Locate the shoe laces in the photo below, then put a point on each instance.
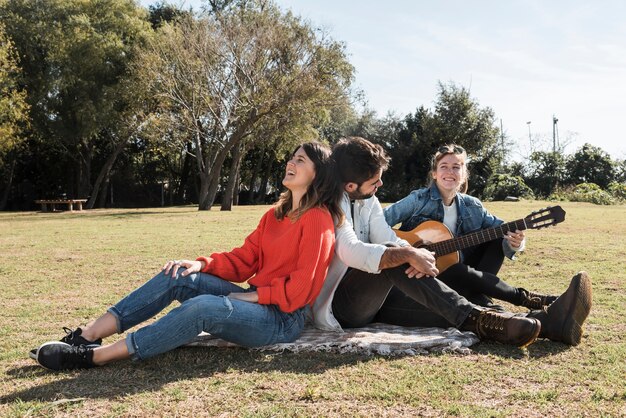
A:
(69, 335)
(491, 320)
(537, 298)
(537, 301)
(79, 358)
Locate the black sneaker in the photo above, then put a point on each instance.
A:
(71, 338)
(55, 355)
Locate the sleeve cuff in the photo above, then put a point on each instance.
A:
(264, 294)
(509, 251)
(373, 260)
(207, 261)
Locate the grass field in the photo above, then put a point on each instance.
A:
(63, 269)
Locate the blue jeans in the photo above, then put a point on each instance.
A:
(204, 307)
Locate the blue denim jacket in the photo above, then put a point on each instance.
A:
(426, 204)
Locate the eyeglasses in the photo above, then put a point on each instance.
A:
(449, 149)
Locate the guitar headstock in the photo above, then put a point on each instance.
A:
(543, 218)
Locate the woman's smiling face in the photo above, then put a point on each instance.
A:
(450, 172)
(300, 171)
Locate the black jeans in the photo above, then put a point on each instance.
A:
(360, 296)
(391, 297)
(476, 278)
(476, 281)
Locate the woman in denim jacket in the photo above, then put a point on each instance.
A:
(474, 277)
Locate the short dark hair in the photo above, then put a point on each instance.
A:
(358, 159)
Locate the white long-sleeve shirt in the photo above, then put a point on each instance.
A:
(360, 244)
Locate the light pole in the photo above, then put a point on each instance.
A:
(554, 122)
(530, 139)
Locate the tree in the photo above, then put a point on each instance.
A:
(456, 118)
(590, 165)
(460, 119)
(545, 171)
(164, 12)
(74, 57)
(226, 73)
(620, 171)
(500, 186)
(13, 113)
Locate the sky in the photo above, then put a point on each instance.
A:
(530, 61)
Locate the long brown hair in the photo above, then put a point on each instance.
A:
(451, 149)
(324, 190)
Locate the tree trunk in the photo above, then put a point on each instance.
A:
(255, 175)
(214, 175)
(84, 172)
(203, 193)
(237, 187)
(105, 173)
(102, 195)
(214, 171)
(7, 190)
(231, 190)
(264, 180)
(184, 175)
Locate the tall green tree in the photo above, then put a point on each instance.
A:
(590, 165)
(620, 171)
(460, 119)
(13, 114)
(226, 73)
(544, 172)
(455, 118)
(75, 54)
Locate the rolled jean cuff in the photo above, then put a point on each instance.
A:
(132, 348)
(116, 314)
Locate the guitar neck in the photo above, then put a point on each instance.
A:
(475, 238)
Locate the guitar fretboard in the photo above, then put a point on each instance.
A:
(475, 238)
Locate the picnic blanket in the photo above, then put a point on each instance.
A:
(380, 339)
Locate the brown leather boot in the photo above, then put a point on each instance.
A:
(503, 327)
(532, 300)
(563, 320)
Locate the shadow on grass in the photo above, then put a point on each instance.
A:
(127, 377)
(539, 349)
(189, 363)
(99, 213)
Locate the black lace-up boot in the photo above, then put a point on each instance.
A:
(532, 300)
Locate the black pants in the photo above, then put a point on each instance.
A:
(391, 297)
(476, 278)
(360, 296)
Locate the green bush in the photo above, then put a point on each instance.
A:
(590, 192)
(618, 191)
(500, 186)
(560, 195)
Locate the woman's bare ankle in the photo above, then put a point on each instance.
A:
(87, 333)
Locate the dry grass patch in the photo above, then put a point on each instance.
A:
(63, 269)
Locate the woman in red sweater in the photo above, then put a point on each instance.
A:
(284, 260)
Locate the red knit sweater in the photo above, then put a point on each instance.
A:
(288, 260)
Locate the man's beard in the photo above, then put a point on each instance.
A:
(358, 195)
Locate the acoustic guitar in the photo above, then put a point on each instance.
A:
(436, 237)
